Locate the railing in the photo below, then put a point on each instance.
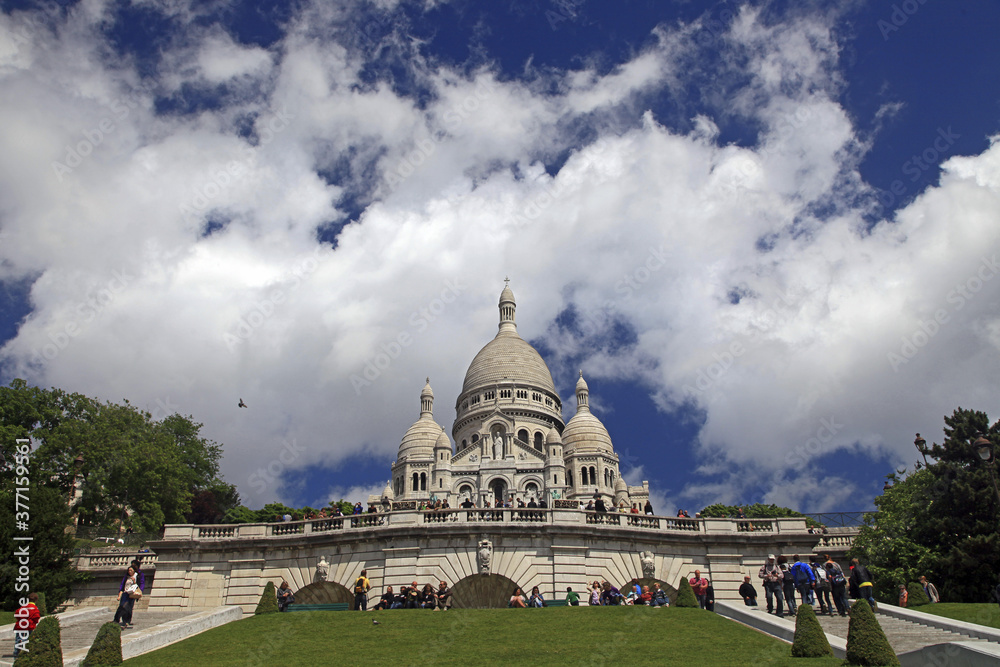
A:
(836, 541)
(754, 525)
(641, 523)
(118, 561)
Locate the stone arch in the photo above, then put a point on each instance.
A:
(324, 592)
(482, 591)
(539, 483)
(649, 581)
(523, 436)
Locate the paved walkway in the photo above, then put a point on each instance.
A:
(81, 635)
(903, 635)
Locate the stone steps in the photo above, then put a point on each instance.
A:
(903, 635)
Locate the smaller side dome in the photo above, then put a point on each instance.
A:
(443, 442)
(387, 491)
(420, 439)
(620, 485)
(553, 437)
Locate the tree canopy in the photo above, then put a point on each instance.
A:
(941, 521)
(137, 470)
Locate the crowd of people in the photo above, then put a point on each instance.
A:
(408, 597)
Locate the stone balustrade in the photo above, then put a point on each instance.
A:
(115, 561)
(640, 523)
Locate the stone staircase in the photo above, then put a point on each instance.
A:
(903, 635)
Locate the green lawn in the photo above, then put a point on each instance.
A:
(557, 636)
(6, 617)
(981, 613)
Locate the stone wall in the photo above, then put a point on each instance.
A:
(205, 566)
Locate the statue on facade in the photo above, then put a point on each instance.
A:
(484, 556)
(555, 494)
(497, 448)
(322, 569)
(647, 558)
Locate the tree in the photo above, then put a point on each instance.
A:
(916, 595)
(866, 642)
(941, 521)
(44, 646)
(685, 595)
(107, 647)
(755, 511)
(810, 640)
(134, 467)
(268, 600)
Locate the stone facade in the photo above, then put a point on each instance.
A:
(510, 441)
(203, 566)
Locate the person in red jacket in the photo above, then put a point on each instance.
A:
(25, 620)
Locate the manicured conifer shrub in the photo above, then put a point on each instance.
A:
(268, 601)
(866, 642)
(810, 640)
(685, 595)
(43, 607)
(916, 595)
(44, 648)
(107, 647)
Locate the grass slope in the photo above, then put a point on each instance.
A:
(981, 613)
(557, 636)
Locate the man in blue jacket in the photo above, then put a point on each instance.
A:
(805, 580)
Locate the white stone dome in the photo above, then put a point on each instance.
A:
(419, 440)
(387, 492)
(553, 437)
(508, 356)
(620, 485)
(585, 432)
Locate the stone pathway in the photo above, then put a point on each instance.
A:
(82, 634)
(902, 635)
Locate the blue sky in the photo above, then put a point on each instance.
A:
(764, 230)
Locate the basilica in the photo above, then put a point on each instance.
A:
(510, 441)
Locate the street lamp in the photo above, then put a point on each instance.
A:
(921, 446)
(985, 450)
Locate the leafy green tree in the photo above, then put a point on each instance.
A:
(133, 466)
(240, 514)
(942, 521)
(755, 511)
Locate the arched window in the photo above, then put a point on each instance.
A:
(440, 483)
(475, 437)
(531, 490)
(522, 435)
(423, 481)
(538, 440)
(464, 444)
(606, 478)
(583, 476)
(416, 482)
(593, 475)
(465, 491)
(569, 477)
(555, 479)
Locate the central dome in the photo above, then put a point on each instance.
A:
(508, 356)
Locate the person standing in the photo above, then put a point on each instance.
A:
(805, 580)
(709, 596)
(823, 586)
(648, 509)
(361, 588)
(572, 599)
(862, 580)
(930, 589)
(838, 584)
(903, 595)
(123, 615)
(700, 588)
(25, 620)
(787, 585)
(773, 577)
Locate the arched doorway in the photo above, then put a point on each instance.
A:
(670, 590)
(498, 489)
(482, 591)
(324, 592)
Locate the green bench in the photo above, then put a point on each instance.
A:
(332, 606)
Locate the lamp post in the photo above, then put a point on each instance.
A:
(985, 450)
(921, 446)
